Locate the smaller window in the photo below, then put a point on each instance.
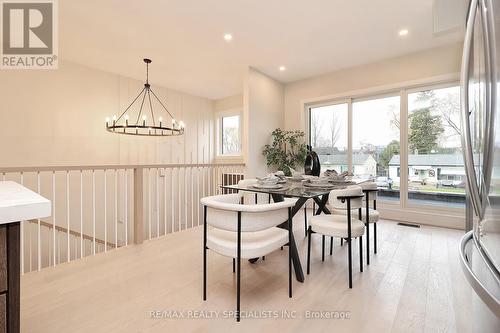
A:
(230, 135)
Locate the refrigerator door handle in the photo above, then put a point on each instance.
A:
(489, 299)
(491, 95)
(464, 99)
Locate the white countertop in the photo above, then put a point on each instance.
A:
(17, 203)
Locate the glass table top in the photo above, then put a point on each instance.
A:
(294, 189)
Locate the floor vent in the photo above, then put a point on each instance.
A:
(409, 225)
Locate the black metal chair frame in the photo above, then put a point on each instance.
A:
(348, 239)
(238, 259)
(367, 224)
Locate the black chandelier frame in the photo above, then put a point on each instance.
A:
(140, 127)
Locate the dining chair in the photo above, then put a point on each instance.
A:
(244, 231)
(369, 204)
(248, 198)
(370, 215)
(344, 227)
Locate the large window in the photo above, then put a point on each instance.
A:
(230, 135)
(436, 172)
(375, 143)
(328, 136)
(364, 134)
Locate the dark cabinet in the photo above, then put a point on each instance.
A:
(9, 277)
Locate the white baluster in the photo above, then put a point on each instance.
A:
(93, 213)
(172, 206)
(165, 199)
(67, 217)
(126, 207)
(53, 218)
(116, 208)
(203, 181)
(179, 198)
(105, 213)
(214, 182)
(192, 195)
(39, 236)
(157, 203)
(198, 195)
(58, 248)
(81, 214)
(149, 203)
(185, 200)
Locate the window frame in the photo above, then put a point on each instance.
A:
(403, 206)
(415, 205)
(349, 121)
(219, 116)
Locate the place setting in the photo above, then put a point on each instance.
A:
(329, 180)
(272, 181)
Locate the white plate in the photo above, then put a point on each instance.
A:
(268, 186)
(318, 185)
(340, 181)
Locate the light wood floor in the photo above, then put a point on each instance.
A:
(414, 284)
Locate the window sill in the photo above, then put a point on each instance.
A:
(229, 158)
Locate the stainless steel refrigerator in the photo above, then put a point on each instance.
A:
(480, 247)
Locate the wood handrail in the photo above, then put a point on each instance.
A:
(72, 232)
(114, 167)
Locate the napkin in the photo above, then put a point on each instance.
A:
(268, 179)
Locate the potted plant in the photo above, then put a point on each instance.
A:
(287, 150)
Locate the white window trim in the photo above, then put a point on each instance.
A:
(218, 135)
(403, 209)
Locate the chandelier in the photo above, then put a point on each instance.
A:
(144, 123)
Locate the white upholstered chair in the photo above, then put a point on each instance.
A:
(369, 204)
(244, 231)
(341, 226)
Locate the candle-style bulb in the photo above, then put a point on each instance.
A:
(114, 118)
(181, 124)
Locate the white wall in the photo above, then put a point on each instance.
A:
(416, 66)
(229, 103)
(56, 117)
(262, 113)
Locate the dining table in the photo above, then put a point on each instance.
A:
(295, 189)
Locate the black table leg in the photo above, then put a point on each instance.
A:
(322, 204)
(299, 273)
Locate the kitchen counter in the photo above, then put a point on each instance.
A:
(17, 203)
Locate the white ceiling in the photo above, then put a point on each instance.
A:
(185, 37)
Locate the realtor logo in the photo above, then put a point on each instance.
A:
(29, 34)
